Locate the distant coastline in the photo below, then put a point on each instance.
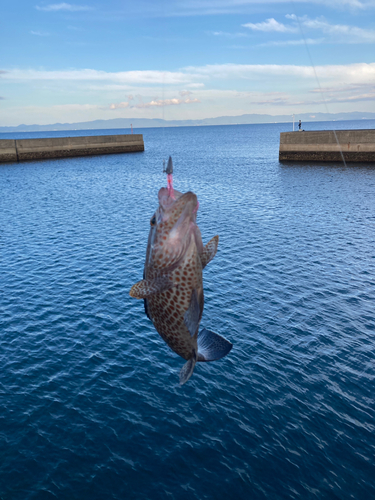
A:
(247, 119)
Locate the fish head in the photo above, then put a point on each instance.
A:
(173, 226)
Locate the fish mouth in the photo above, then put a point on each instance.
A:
(182, 202)
(166, 200)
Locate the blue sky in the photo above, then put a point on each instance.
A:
(191, 59)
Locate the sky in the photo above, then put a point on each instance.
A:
(63, 61)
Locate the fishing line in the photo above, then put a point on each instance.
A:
(162, 114)
(317, 79)
(163, 95)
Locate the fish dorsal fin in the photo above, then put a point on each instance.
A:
(209, 251)
(192, 315)
(146, 288)
(212, 346)
(187, 370)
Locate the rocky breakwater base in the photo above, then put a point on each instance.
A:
(13, 150)
(322, 145)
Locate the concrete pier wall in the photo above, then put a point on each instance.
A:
(8, 150)
(356, 146)
(62, 147)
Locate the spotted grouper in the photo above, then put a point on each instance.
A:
(172, 287)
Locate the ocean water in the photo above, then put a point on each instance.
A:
(90, 406)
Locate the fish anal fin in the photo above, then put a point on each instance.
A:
(209, 251)
(212, 346)
(187, 370)
(193, 314)
(146, 288)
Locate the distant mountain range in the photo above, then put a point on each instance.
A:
(124, 123)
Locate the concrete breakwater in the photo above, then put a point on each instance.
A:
(355, 145)
(12, 150)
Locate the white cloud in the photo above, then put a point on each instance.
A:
(359, 72)
(285, 43)
(119, 105)
(189, 8)
(39, 33)
(157, 102)
(195, 85)
(284, 99)
(165, 102)
(335, 33)
(223, 7)
(63, 6)
(338, 32)
(230, 35)
(271, 25)
(356, 4)
(228, 89)
(346, 93)
(214, 102)
(128, 77)
(192, 76)
(370, 96)
(344, 88)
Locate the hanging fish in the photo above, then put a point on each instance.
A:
(172, 287)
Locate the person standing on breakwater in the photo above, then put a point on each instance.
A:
(299, 126)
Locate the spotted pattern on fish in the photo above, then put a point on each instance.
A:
(167, 309)
(172, 285)
(173, 270)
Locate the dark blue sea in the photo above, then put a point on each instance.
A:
(90, 406)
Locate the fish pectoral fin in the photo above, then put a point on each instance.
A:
(146, 288)
(192, 315)
(209, 251)
(187, 370)
(212, 346)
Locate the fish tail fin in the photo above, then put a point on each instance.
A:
(212, 346)
(187, 370)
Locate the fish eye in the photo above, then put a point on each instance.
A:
(153, 221)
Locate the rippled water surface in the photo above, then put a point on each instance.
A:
(90, 406)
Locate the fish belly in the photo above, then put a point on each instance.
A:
(167, 309)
